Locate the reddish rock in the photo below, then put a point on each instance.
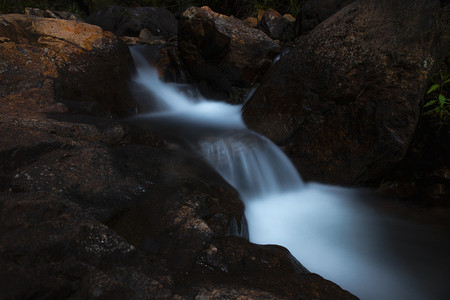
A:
(223, 50)
(345, 101)
(251, 21)
(49, 61)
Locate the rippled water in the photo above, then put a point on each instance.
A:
(336, 232)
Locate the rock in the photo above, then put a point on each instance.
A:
(49, 61)
(273, 24)
(251, 21)
(222, 50)
(146, 36)
(130, 21)
(345, 101)
(314, 12)
(260, 14)
(236, 261)
(68, 16)
(166, 59)
(52, 248)
(30, 11)
(289, 18)
(50, 14)
(130, 39)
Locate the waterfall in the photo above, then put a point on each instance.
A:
(252, 164)
(336, 232)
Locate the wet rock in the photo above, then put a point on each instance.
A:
(130, 21)
(314, 12)
(239, 263)
(345, 101)
(222, 50)
(165, 57)
(53, 60)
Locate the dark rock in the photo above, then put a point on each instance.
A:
(52, 60)
(243, 268)
(51, 248)
(146, 36)
(423, 176)
(130, 21)
(345, 101)
(223, 50)
(273, 24)
(314, 12)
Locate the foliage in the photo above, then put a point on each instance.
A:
(439, 105)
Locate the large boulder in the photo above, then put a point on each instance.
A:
(223, 50)
(424, 174)
(314, 12)
(131, 20)
(60, 61)
(345, 101)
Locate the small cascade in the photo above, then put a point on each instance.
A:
(336, 232)
(251, 163)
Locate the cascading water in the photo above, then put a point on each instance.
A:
(336, 232)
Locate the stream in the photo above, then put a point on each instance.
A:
(339, 233)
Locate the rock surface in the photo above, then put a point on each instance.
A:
(29, 11)
(423, 176)
(130, 21)
(60, 63)
(92, 207)
(273, 24)
(314, 12)
(345, 101)
(223, 50)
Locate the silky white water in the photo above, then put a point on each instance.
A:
(336, 232)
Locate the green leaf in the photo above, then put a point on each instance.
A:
(441, 73)
(428, 112)
(433, 88)
(429, 103)
(441, 99)
(447, 81)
